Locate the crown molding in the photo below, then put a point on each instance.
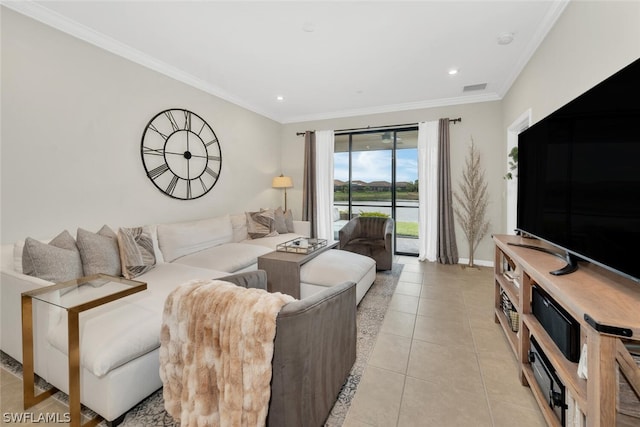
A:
(382, 109)
(548, 22)
(48, 17)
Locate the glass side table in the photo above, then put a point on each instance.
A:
(84, 294)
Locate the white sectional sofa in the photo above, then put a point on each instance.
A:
(119, 342)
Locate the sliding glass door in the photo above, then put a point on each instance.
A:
(376, 174)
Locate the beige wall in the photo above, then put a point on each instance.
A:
(72, 119)
(590, 41)
(482, 121)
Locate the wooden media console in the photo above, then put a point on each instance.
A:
(607, 308)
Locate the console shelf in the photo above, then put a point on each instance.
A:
(512, 337)
(541, 398)
(567, 370)
(592, 292)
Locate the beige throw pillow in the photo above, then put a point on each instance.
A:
(288, 219)
(136, 251)
(260, 224)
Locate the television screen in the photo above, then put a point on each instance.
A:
(579, 175)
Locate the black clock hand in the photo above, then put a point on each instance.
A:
(176, 154)
(188, 157)
(210, 157)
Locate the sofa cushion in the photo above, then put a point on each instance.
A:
(99, 252)
(116, 333)
(57, 261)
(239, 226)
(110, 335)
(18, 251)
(335, 266)
(184, 238)
(229, 257)
(166, 276)
(136, 251)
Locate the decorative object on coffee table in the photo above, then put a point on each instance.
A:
(302, 245)
(181, 154)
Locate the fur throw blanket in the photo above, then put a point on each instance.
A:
(216, 348)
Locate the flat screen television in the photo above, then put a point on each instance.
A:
(579, 176)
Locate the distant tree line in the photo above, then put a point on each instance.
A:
(376, 186)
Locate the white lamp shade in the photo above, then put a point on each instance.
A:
(282, 182)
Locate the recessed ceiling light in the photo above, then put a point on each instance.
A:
(505, 38)
(280, 98)
(453, 71)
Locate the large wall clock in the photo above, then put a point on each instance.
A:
(181, 154)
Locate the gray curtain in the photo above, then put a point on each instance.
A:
(309, 183)
(447, 248)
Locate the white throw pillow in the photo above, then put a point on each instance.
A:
(18, 247)
(184, 238)
(239, 224)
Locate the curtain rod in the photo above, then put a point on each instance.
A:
(454, 121)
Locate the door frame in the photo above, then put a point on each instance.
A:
(522, 123)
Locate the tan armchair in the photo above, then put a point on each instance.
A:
(369, 236)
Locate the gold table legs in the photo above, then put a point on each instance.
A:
(28, 377)
(30, 397)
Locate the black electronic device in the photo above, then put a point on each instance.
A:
(548, 381)
(563, 329)
(578, 176)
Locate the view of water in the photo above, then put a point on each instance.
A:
(408, 214)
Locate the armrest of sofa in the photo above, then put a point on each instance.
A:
(249, 279)
(348, 232)
(314, 350)
(13, 284)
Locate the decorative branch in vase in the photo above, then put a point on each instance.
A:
(473, 199)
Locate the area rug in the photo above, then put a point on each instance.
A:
(369, 318)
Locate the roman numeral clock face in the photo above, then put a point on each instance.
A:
(181, 154)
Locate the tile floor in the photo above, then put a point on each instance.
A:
(440, 360)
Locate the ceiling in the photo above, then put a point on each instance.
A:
(327, 59)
